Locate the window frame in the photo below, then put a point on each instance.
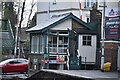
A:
(86, 41)
(34, 44)
(89, 3)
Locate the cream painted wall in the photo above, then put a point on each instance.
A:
(64, 26)
(88, 51)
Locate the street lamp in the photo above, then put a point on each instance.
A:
(103, 36)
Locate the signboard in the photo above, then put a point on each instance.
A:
(112, 27)
(59, 59)
(35, 60)
(52, 61)
(45, 60)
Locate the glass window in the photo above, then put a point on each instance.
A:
(58, 44)
(41, 43)
(87, 40)
(34, 43)
(14, 62)
(89, 3)
(22, 61)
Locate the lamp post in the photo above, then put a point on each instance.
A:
(103, 36)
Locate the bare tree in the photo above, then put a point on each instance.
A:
(31, 10)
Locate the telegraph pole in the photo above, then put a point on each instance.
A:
(16, 35)
(103, 36)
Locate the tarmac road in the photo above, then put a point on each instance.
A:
(13, 76)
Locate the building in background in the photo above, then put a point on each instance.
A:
(48, 9)
(112, 34)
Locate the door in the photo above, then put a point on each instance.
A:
(11, 66)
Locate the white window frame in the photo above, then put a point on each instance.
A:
(57, 48)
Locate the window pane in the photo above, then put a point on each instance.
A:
(89, 43)
(65, 40)
(32, 44)
(89, 38)
(84, 42)
(84, 37)
(54, 40)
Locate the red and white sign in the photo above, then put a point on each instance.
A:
(112, 12)
(45, 60)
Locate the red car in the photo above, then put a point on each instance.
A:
(14, 65)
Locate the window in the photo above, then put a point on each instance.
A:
(34, 43)
(41, 43)
(14, 62)
(88, 20)
(58, 44)
(22, 61)
(89, 3)
(87, 40)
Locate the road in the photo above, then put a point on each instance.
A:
(13, 76)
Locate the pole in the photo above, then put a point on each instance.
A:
(16, 36)
(19, 32)
(102, 37)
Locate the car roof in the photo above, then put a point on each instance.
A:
(8, 60)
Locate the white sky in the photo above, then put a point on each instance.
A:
(27, 11)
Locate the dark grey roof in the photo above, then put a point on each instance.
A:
(6, 41)
(42, 27)
(85, 31)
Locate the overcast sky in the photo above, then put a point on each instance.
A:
(27, 11)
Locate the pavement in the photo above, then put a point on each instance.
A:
(89, 74)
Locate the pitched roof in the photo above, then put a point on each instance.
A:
(42, 27)
(6, 36)
(6, 41)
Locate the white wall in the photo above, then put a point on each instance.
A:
(44, 6)
(88, 51)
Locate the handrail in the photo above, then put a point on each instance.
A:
(68, 59)
(78, 53)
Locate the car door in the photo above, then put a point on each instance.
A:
(11, 66)
(20, 66)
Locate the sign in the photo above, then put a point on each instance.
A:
(45, 60)
(35, 60)
(52, 61)
(46, 55)
(112, 26)
(60, 58)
